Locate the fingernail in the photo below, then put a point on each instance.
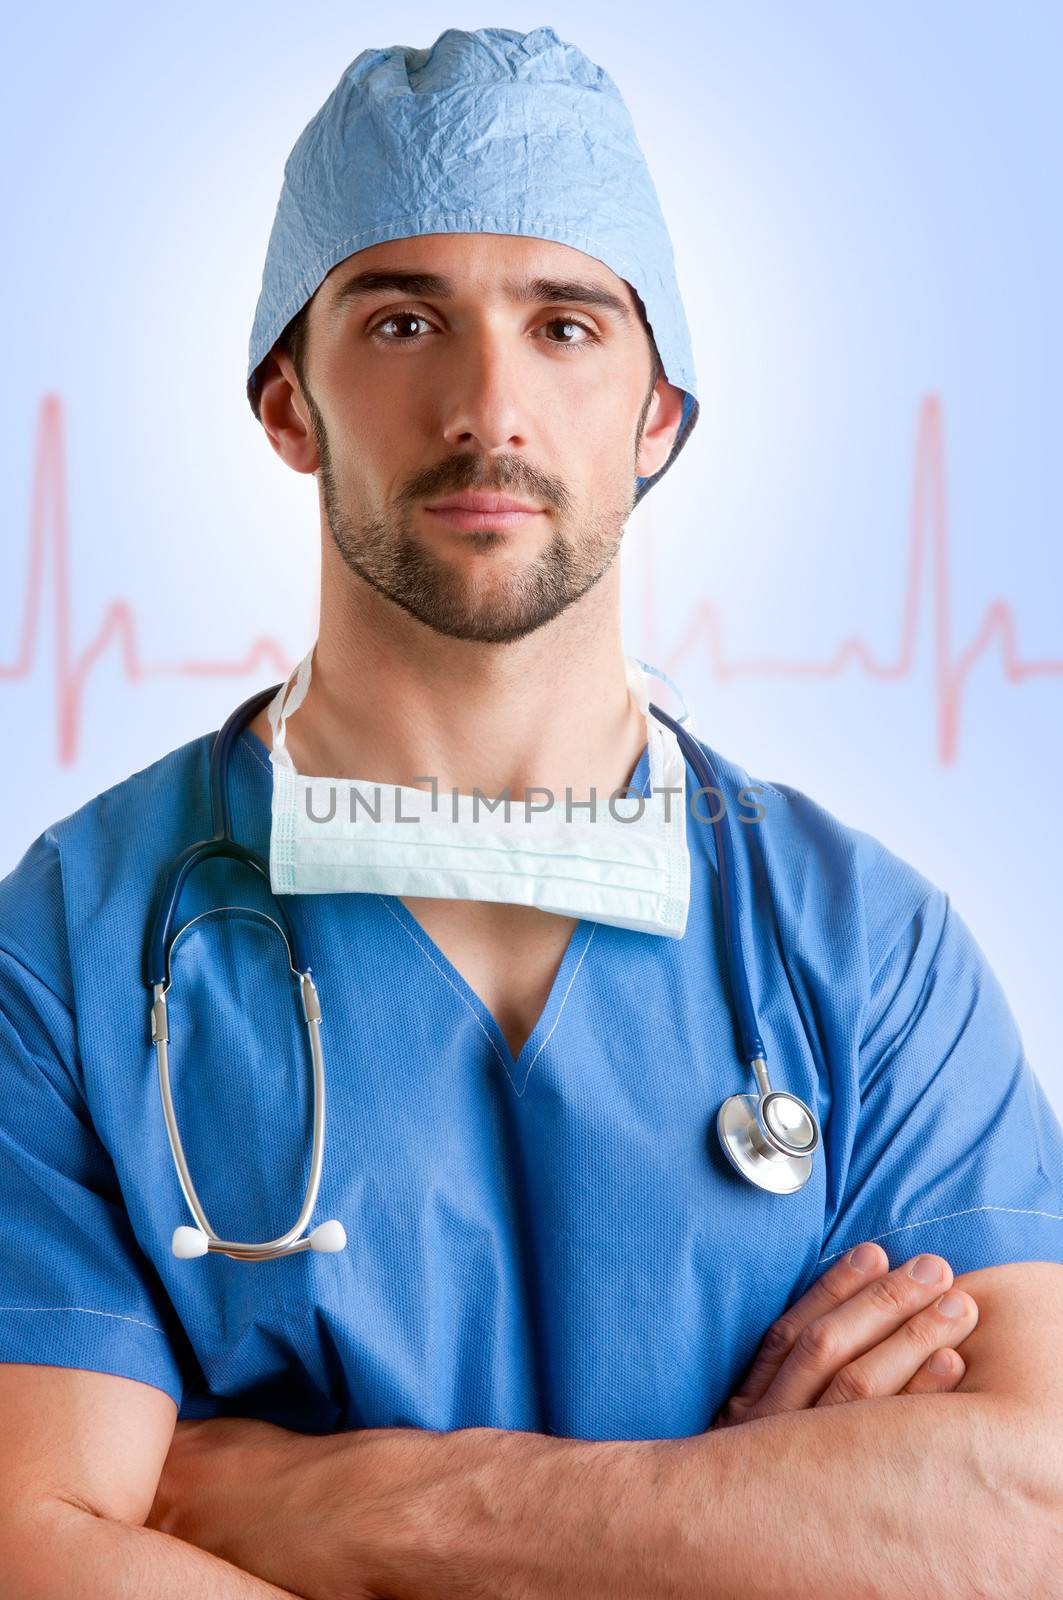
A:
(951, 1305)
(926, 1270)
(941, 1363)
(863, 1258)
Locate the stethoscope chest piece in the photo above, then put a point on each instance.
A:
(770, 1139)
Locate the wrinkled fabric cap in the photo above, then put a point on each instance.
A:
(490, 131)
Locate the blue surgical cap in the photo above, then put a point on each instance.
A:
(490, 131)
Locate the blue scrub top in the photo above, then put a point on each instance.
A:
(556, 1243)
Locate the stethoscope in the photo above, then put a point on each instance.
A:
(769, 1137)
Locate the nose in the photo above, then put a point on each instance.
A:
(486, 403)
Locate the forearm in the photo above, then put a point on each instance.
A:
(893, 1499)
(58, 1549)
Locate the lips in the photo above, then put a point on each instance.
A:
(482, 502)
(482, 512)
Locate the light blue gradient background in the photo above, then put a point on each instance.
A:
(864, 203)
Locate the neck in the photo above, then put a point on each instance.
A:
(392, 701)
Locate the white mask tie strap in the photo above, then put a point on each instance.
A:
(283, 704)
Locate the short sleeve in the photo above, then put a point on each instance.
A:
(76, 1290)
(947, 1143)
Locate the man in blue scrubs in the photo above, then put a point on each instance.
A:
(543, 1232)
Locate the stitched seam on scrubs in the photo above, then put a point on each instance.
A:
(463, 998)
(443, 973)
(560, 1008)
(1015, 1211)
(88, 1311)
(245, 739)
(472, 1010)
(571, 981)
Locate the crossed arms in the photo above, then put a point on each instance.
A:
(959, 1495)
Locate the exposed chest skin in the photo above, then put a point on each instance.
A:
(509, 954)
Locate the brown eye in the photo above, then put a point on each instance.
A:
(399, 317)
(572, 322)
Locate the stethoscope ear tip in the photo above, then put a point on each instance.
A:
(188, 1243)
(328, 1237)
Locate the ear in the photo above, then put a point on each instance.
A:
(284, 414)
(662, 424)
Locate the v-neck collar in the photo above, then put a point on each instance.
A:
(518, 1069)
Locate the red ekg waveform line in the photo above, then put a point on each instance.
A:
(48, 513)
(928, 567)
(928, 550)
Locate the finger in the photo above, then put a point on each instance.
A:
(927, 1381)
(863, 1321)
(835, 1286)
(895, 1361)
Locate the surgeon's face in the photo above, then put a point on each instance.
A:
(463, 364)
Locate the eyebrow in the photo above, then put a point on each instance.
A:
(432, 286)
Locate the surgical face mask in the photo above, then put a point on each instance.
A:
(627, 864)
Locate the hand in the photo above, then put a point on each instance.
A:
(856, 1336)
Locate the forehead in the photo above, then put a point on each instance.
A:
(480, 264)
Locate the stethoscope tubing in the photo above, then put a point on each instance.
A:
(160, 943)
(751, 1144)
(751, 1046)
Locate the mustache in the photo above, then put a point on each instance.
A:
(462, 473)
